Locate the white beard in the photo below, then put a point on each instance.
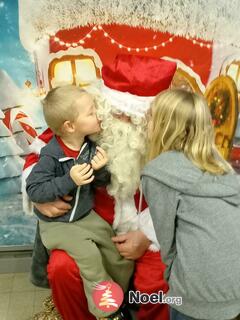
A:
(125, 144)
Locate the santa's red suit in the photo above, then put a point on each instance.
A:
(140, 78)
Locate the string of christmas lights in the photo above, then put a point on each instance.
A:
(120, 45)
(75, 44)
(201, 44)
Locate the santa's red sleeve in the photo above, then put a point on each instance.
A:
(30, 162)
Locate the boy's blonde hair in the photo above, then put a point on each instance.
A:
(182, 121)
(59, 106)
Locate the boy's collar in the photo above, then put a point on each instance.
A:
(54, 149)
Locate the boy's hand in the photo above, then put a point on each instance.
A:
(82, 174)
(100, 159)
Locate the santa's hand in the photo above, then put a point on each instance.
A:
(100, 159)
(56, 208)
(132, 245)
(82, 174)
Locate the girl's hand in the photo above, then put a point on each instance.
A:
(100, 159)
(82, 174)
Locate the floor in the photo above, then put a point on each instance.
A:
(19, 299)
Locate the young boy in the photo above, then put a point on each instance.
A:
(71, 164)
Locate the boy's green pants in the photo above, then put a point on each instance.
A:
(88, 242)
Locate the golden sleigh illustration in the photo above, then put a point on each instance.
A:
(222, 98)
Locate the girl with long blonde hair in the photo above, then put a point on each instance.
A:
(183, 122)
(194, 200)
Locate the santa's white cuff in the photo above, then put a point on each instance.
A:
(37, 145)
(125, 216)
(26, 202)
(145, 224)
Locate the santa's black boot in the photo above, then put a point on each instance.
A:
(122, 314)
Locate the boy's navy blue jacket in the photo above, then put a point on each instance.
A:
(50, 179)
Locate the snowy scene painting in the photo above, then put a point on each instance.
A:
(21, 120)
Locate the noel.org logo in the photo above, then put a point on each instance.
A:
(107, 296)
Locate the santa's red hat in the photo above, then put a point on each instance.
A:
(131, 82)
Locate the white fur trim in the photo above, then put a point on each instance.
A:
(125, 217)
(127, 102)
(27, 204)
(145, 224)
(36, 146)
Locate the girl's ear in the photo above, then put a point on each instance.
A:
(68, 127)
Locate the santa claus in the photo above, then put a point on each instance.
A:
(129, 85)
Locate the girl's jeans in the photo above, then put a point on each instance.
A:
(176, 315)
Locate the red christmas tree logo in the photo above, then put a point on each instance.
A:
(108, 296)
